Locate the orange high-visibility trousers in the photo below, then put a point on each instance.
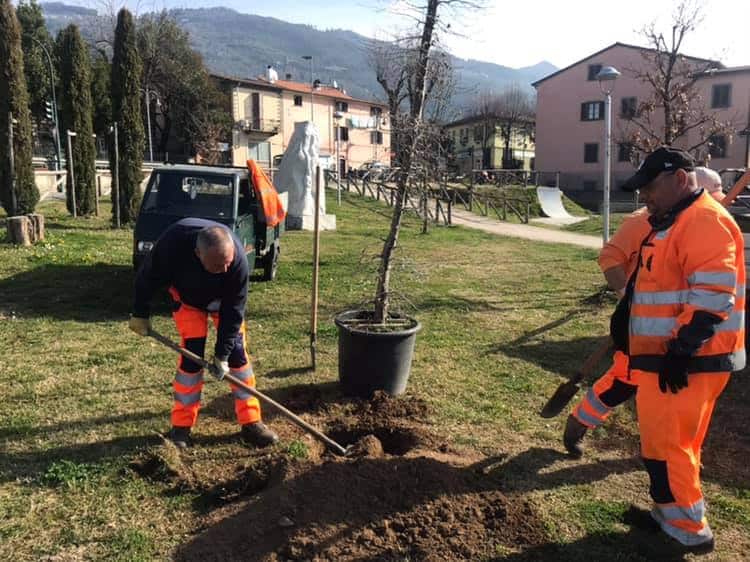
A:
(673, 427)
(611, 389)
(192, 325)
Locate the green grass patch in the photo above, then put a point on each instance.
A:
(600, 516)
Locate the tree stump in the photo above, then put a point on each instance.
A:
(26, 230)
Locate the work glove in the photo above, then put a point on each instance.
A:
(218, 367)
(141, 326)
(674, 372)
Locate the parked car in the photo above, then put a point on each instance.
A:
(221, 194)
(373, 169)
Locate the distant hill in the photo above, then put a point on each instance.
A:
(243, 45)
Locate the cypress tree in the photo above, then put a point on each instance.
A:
(14, 98)
(126, 112)
(76, 115)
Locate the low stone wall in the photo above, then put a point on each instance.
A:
(51, 183)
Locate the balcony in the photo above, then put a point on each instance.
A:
(258, 127)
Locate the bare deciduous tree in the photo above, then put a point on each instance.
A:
(674, 112)
(413, 132)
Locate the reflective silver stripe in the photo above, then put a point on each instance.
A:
(241, 394)
(662, 234)
(243, 374)
(189, 380)
(711, 300)
(713, 278)
(734, 323)
(695, 512)
(661, 297)
(587, 418)
(187, 399)
(645, 326)
(685, 537)
(596, 404)
(740, 289)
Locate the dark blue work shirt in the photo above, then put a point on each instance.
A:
(173, 263)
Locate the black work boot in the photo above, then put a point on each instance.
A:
(573, 437)
(180, 436)
(258, 434)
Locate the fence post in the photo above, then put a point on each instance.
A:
(505, 209)
(450, 217)
(471, 192)
(557, 180)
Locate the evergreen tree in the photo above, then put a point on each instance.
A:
(76, 115)
(126, 80)
(35, 63)
(14, 98)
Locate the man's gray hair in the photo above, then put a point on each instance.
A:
(708, 179)
(213, 237)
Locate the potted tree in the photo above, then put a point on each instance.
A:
(376, 345)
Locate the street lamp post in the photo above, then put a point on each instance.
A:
(115, 188)
(337, 115)
(147, 91)
(56, 133)
(606, 77)
(71, 169)
(12, 166)
(312, 87)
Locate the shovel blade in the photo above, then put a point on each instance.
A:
(561, 398)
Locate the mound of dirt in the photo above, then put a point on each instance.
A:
(393, 508)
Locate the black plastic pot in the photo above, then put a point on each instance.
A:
(374, 360)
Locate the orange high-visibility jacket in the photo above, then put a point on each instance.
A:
(273, 209)
(622, 249)
(695, 264)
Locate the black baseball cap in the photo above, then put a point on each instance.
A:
(664, 159)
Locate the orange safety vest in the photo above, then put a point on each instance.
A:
(273, 209)
(696, 263)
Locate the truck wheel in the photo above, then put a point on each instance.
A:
(271, 263)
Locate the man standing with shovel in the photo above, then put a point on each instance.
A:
(205, 269)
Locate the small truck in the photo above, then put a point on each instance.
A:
(219, 193)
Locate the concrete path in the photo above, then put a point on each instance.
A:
(486, 224)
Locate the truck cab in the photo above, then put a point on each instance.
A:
(218, 193)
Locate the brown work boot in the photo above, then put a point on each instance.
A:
(575, 431)
(180, 436)
(258, 434)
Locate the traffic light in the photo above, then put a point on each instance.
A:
(49, 111)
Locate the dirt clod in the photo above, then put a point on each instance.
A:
(367, 446)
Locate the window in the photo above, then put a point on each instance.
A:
(591, 152)
(342, 106)
(376, 111)
(592, 111)
(298, 101)
(717, 146)
(629, 107)
(376, 137)
(594, 70)
(478, 133)
(625, 152)
(259, 151)
(343, 134)
(721, 95)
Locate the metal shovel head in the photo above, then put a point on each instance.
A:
(561, 398)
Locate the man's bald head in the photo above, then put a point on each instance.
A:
(214, 247)
(709, 180)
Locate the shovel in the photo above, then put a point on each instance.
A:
(567, 390)
(335, 447)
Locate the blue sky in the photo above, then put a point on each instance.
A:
(513, 33)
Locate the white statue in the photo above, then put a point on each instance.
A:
(296, 176)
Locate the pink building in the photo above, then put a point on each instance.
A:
(570, 124)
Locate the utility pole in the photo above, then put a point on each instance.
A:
(116, 176)
(71, 169)
(12, 167)
(312, 87)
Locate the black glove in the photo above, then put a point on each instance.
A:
(674, 372)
